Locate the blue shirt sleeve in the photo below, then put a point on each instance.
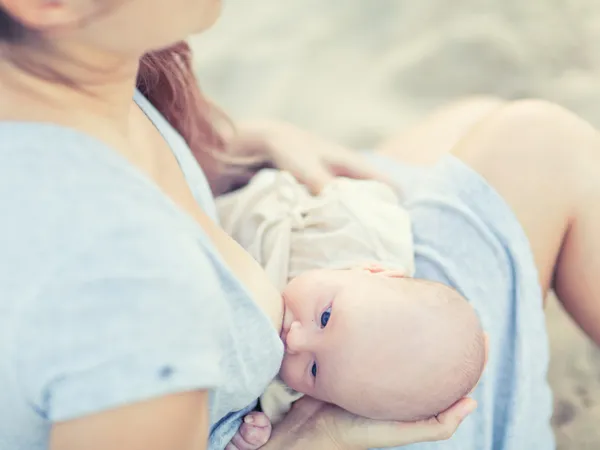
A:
(138, 314)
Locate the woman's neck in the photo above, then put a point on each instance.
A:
(80, 89)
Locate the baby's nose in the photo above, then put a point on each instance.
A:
(296, 340)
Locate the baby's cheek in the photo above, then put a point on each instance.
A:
(292, 373)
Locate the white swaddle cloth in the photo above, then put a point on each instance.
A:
(289, 231)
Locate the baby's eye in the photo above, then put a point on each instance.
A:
(313, 370)
(325, 317)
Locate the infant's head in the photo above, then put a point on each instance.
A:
(378, 344)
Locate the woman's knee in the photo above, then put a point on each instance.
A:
(537, 114)
(426, 141)
(475, 106)
(532, 133)
(534, 151)
(534, 154)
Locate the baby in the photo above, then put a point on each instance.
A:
(358, 331)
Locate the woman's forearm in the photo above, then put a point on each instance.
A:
(253, 138)
(263, 137)
(297, 441)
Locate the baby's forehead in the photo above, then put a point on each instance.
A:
(372, 292)
(373, 325)
(351, 366)
(361, 331)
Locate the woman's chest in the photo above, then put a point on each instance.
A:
(154, 156)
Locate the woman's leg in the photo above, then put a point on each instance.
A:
(439, 132)
(545, 162)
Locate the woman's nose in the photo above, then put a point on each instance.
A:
(296, 340)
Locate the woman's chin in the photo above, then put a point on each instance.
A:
(210, 15)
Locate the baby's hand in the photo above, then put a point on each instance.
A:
(254, 432)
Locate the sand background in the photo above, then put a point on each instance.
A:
(359, 70)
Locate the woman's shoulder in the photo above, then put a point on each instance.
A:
(73, 185)
(35, 154)
(65, 194)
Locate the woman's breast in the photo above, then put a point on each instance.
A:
(245, 268)
(254, 350)
(247, 271)
(160, 163)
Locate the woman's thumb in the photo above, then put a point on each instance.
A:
(442, 427)
(316, 178)
(360, 169)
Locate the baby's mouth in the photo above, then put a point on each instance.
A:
(285, 327)
(284, 333)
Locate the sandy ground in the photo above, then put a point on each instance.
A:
(359, 70)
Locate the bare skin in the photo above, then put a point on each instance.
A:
(254, 432)
(90, 43)
(440, 131)
(545, 162)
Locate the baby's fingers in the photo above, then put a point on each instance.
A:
(257, 419)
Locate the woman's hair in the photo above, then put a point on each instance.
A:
(166, 78)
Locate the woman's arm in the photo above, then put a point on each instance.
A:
(124, 340)
(174, 422)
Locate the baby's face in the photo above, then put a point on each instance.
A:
(367, 340)
(330, 317)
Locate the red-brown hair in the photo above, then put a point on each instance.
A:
(166, 78)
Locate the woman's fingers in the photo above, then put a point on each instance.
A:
(359, 171)
(392, 434)
(445, 424)
(314, 176)
(311, 159)
(346, 430)
(359, 168)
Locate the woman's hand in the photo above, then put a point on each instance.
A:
(312, 160)
(320, 426)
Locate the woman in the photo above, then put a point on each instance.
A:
(122, 303)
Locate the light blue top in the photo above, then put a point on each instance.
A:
(466, 236)
(110, 294)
